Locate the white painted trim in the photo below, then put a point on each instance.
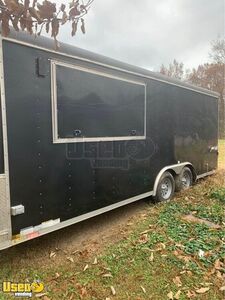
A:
(82, 217)
(92, 71)
(5, 142)
(100, 139)
(56, 138)
(206, 174)
(176, 168)
(108, 66)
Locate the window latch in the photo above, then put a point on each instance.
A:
(77, 132)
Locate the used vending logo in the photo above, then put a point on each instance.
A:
(22, 289)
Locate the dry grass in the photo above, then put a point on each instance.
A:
(222, 154)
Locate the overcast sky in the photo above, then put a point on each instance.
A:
(148, 33)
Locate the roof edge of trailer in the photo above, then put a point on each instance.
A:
(76, 52)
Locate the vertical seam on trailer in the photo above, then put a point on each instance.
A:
(5, 137)
(54, 105)
(145, 113)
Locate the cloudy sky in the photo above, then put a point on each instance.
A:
(148, 33)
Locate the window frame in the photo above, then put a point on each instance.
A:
(59, 140)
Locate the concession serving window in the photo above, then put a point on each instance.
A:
(89, 105)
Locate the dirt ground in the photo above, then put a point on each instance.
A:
(91, 236)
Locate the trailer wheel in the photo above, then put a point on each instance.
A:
(165, 188)
(184, 180)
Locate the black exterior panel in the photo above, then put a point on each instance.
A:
(67, 180)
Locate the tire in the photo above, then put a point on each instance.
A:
(184, 180)
(165, 188)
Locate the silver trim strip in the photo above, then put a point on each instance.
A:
(206, 174)
(107, 66)
(5, 141)
(56, 139)
(84, 217)
(103, 139)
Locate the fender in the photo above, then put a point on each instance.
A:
(177, 168)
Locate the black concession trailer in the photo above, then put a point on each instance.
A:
(82, 134)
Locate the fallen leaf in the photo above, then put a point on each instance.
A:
(52, 254)
(163, 246)
(180, 246)
(95, 262)
(57, 275)
(143, 239)
(70, 259)
(113, 290)
(222, 289)
(191, 294)
(151, 258)
(170, 295)
(202, 290)
(219, 275)
(193, 219)
(143, 289)
(201, 253)
(85, 268)
(40, 295)
(206, 283)
(83, 292)
(217, 264)
(177, 295)
(130, 223)
(177, 281)
(146, 231)
(108, 275)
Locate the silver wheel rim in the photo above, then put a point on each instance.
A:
(166, 188)
(186, 180)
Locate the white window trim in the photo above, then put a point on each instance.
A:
(56, 139)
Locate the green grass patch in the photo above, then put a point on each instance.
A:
(219, 194)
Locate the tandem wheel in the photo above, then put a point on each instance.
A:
(184, 180)
(166, 188)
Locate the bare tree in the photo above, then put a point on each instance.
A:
(34, 16)
(174, 70)
(217, 53)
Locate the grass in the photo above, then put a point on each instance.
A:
(159, 256)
